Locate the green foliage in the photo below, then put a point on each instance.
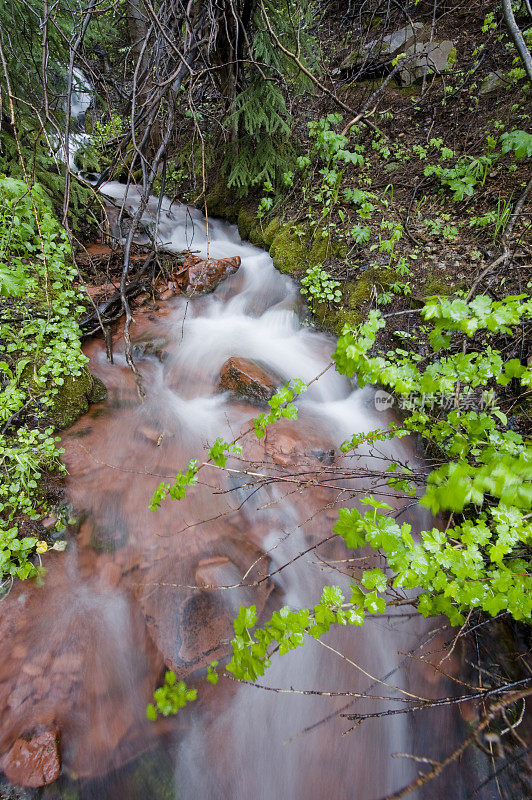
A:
(40, 338)
(178, 489)
(496, 219)
(467, 173)
(212, 676)
(170, 697)
(484, 477)
(517, 142)
(258, 115)
(20, 28)
(45, 170)
(361, 233)
(286, 629)
(486, 474)
(320, 287)
(220, 450)
(281, 406)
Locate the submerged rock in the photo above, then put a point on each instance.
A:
(33, 759)
(247, 379)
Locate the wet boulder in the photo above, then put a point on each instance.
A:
(74, 397)
(33, 760)
(246, 379)
(192, 626)
(204, 275)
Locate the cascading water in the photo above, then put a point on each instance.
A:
(137, 590)
(81, 98)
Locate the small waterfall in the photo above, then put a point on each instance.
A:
(80, 101)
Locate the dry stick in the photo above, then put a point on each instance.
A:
(485, 271)
(136, 219)
(517, 36)
(438, 769)
(372, 677)
(432, 28)
(312, 77)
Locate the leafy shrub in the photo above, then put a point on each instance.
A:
(319, 287)
(40, 340)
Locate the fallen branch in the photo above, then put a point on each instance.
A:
(111, 309)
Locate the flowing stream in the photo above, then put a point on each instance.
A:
(137, 591)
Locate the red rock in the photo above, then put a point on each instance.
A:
(32, 669)
(216, 571)
(33, 760)
(288, 444)
(204, 275)
(149, 434)
(191, 627)
(247, 379)
(282, 447)
(19, 651)
(68, 662)
(110, 574)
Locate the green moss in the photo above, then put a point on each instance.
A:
(382, 276)
(345, 316)
(269, 232)
(436, 283)
(287, 249)
(245, 222)
(409, 91)
(319, 248)
(359, 293)
(334, 319)
(221, 202)
(256, 236)
(73, 398)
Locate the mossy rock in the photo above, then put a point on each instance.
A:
(270, 231)
(436, 283)
(288, 249)
(334, 319)
(263, 235)
(320, 248)
(73, 398)
(256, 236)
(245, 222)
(294, 248)
(221, 202)
(108, 537)
(358, 293)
